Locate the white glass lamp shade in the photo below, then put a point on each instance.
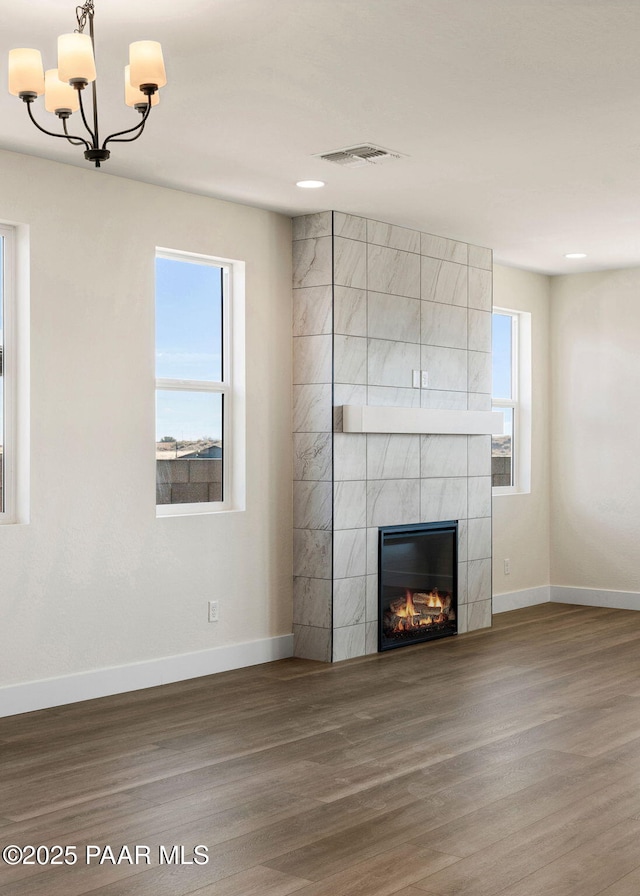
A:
(26, 74)
(58, 94)
(75, 58)
(135, 97)
(146, 65)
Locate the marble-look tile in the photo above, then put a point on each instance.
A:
(479, 455)
(463, 583)
(312, 505)
(312, 262)
(349, 393)
(392, 363)
(444, 249)
(463, 539)
(479, 615)
(370, 638)
(480, 538)
(348, 642)
(349, 226)
(393, 502)
(312, 311)
(371, 613)
(349, 263)
(479, 372)
(311, 359)
(443, 499)
(444, 281)
(349, 504)
(312, 455)
(393, 317)
(462, 619)
(373, 538)
(350, 360)
(349, 311)
(388, 396)
(393, 456)
(393, 237)
(480, 257)
(349, 597)
(312, 602)
(346, 393)
(310, 643)
(309, 226)
(480, 289)
(312, 411)
(312, 553)
(447, 367)
(443, 456)
(349, 456)
(479, 402)
(393, 272)
(479, 330)
(349, 553)
(479, 496)
(444, 325)
(439, 400)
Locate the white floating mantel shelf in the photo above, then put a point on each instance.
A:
(365, 418)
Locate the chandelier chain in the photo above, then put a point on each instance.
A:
(82, 14)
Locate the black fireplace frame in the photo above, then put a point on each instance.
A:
(391, 531)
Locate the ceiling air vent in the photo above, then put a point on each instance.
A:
(359, 156)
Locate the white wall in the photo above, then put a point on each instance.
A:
(595, 504)
(95, 580)
(521, 522)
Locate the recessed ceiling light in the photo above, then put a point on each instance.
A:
(310, 184)
(576, 255)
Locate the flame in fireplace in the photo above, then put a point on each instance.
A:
(418, 609)
(408, 611)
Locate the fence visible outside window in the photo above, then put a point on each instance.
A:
(511, 389)
(193, 382)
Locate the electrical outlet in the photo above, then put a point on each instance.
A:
(424, 379)
(507, 567)
(213, 611)
(416, 379)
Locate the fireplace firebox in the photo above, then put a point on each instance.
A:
(417, 583)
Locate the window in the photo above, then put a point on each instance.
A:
(511, 369)
(195, 382)
(7, 376)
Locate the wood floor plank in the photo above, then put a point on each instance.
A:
(505, 761)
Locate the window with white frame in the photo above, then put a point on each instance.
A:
(511, 391)
(7, 375)
(195, 385)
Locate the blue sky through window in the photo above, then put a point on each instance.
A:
(188, 347)
(501, 356)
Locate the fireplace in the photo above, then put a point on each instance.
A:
(417, 583)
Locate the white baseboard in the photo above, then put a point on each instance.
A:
(561, 594)
(594, 597)
(516, 600)
(34, 695)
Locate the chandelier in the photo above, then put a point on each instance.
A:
(63, 87)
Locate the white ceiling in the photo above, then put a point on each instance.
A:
(520, 119)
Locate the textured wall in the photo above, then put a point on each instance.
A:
(372, 303)
(95, 580)
(595, 363)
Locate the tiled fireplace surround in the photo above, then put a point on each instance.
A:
(372, 303)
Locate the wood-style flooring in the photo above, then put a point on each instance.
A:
(499, 762)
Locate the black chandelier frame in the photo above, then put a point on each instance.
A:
(94, 152)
